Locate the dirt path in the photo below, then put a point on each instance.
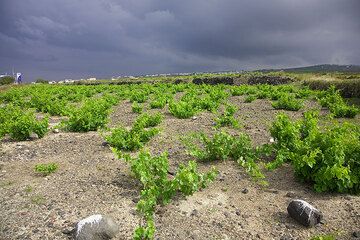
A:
(90, 180)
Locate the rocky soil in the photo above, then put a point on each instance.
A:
(90, 180)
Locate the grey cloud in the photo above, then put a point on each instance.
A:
(78, 38)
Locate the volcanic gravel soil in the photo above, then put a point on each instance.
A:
(91, 180)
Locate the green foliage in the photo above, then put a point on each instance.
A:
(288, 102)
(48, 104)
(130, 140)
(250, 98)
(6, 80)
(139, 96)
(40, 80)
(158, 188)
(135, 138)
(324, 237)
(136, 107)
(159, 101)
(148, 120)
(227, 118)
(46, 169)
(182, 109)
(21, 124)
(223, 146)
(329, 158)
(336, 104)
(90, 117)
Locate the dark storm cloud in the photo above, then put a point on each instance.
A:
(79, 38)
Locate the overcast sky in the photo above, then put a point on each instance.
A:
(58, 39)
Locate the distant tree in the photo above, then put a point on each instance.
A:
(40, 80)
(6, 80)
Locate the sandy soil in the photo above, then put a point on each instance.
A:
(90, 180)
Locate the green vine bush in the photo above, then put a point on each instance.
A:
(329, 159)
(159, 188)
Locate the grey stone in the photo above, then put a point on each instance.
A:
(55, 130)
(245, 191)
(286, 237)
(96, 227)
(356, 234)
(304, 213)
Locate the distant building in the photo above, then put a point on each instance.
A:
(92, 79)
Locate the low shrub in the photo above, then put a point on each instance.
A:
(227, 118)
(90, 117)
(45, 169)
(136, 107)
(130, 140)
(250, 98)
(223, 146)
(332, 99)
(182, 109)
(20, 124)
(329, 159)
(158, 188)
(288, 102)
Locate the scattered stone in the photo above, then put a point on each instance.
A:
(194, 212)
(55, 130)
(245, 191)
(286, 237)
(194, 118)
(105, 143)
(272, 140)
(304, 213)
(290, 195)
(136, 199)
(34, 136)
(237, 212)
(68, 230)
(96, 227)
(356, 234)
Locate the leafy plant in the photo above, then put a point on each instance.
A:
(332, 99)
(182, 109)
(227, 118)
(223, 146)
(139, 96)
(159, 101)
(90, 117)
(327, 158)
(21, 124)
(324, 237)
(147, 120)
(250, 98)
(130, 140)
(288, 102)
(136, 107)
(158, 188)
(46, 169)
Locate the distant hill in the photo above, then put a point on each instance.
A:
(320, 68)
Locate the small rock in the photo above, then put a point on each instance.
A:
(356, 234)
(136, 199)
(272, 140)
(96, 227)
(304, 213)
(290, 195)
(194, 118)
(55, 130)
(286, 237)
(238, 212)
(105, 143)
(33, 136)
(194, 212)
(245, 191)
(68, 230)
